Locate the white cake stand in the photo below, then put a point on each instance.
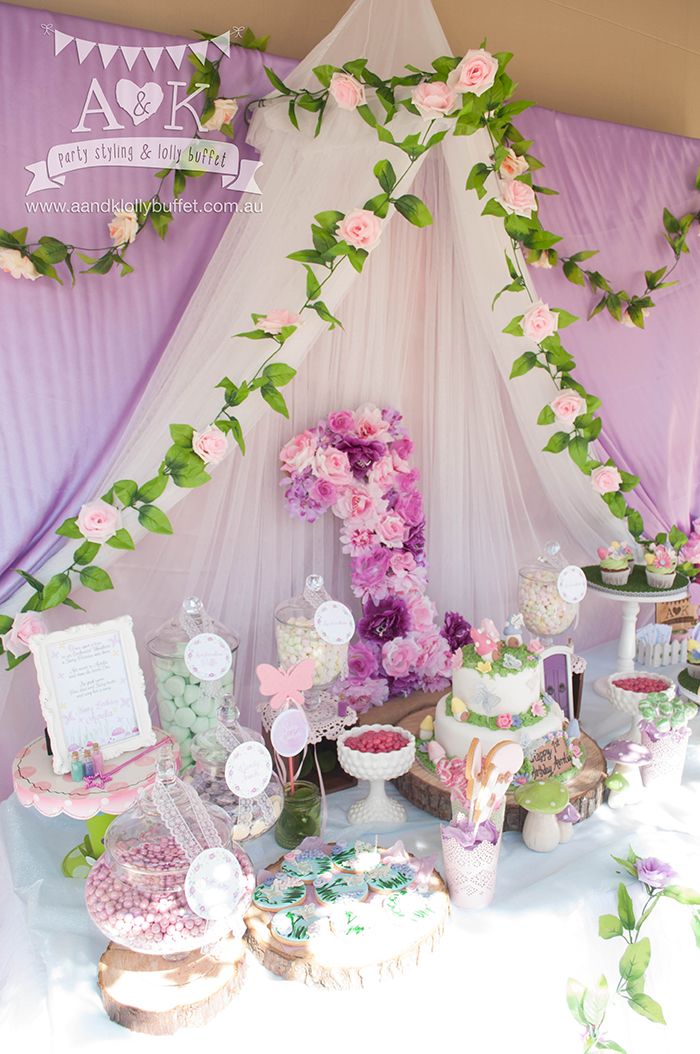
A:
(631, 596)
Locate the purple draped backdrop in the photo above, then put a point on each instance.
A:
(75, 361)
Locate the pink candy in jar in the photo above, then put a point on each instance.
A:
(544, 611)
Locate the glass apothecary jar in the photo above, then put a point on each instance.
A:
(297, 638)
(135, 893)
(186, 705)
(211, 749)
(301, 814)
(549, 593)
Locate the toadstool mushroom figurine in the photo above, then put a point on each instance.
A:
(566, 820)
(625, 784)
(542, 800)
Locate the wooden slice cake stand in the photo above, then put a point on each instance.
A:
(345, 956)
(424, 789)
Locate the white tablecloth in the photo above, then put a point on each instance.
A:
(497, 980)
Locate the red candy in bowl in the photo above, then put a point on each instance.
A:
(377, 741)
(627, 690)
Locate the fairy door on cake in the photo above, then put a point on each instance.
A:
(556, 677)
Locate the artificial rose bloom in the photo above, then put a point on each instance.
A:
(382, 474)
(475, 73)
(457, 632)
(224, 112)
(410, 583)
(434, 99)
(606, 479)
(410, 507)
(369, 573)
(383, 620)
(691, 550)
(402, 563)
(512, 165)
(25, 625)
(400, 453)
(422, 612)
(370, 423)
(539, 322)
(504, 721)
(435, 654)
(274, 321)
(626, 319)
(333, 465)
(517, 197)
(362, 697)
(363, 661)
(211, 445)
(399, 656)
(542, 261)
(341, 421)
(323, 492)
(567, 406)
(298, 453)
(654, 872)
(347, 91)
(17, 266)
(356, 504)
(390, 530)
(356, 539)
(124, 227)
(360, 228)
(98, 521)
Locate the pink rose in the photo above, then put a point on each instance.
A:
(98, 521)
(357, 505)
(606, 479)
(347, 92)
(567, 406)
(475, 73)
(410, 583)
(402, 563)
(333, 465)
(17, 266)
(370, 424)
(512, 165)
(360, 228)
(504, 721)
(391, 530)
(517, 197)
(298, 453)
(382, 474)
(422, 612)
(400, 453)
(356, 539)
(539, 322)
(341, 421)
(542, 261)
(25, 625)
(123, 227)
(435, 655)
(224, 112)
(399, 656)
(323, 492)
(538, 708)
(434, 100)
(277, 319)
(211, 445)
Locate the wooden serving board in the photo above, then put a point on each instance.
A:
(330, 972)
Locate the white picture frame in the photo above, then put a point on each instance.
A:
(563, 692)
(92, 689)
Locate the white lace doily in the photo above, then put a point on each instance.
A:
(324, 720)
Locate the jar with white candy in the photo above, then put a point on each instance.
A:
(299, 636)
(549, 593)
(187, 703)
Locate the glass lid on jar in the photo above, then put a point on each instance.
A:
(192, 618)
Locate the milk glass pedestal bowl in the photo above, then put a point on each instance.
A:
(377, 807)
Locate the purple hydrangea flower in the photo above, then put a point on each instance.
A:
(362, 453)
(404, 685)
(456, 630)
(383, 621)
(298, 496)
(654, 872)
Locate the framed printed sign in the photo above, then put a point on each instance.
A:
(92, 690)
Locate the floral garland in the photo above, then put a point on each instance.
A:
(469, 93)
(532, 716)
(589, 1006)
(356, 463)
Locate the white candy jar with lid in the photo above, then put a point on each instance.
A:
(187, 702)
(549, 593)
(251, 813)
(313, 626)
(140, 893)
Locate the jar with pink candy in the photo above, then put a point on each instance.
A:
(143, 892)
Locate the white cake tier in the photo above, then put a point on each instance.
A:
(491, 694)
(455, 736)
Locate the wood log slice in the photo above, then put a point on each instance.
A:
(159, 996)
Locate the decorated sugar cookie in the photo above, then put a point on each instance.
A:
(295, 926)
(306, 864)
(332, 887)
(389, 878)
(408, 904)
(282, 891)
(362, 858)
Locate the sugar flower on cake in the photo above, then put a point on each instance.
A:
(538, 708)
(661, 559)
(346, 91)
(475, 74)
(517, 197)
(277, 320)
(224, 112)
(98, 521)
(504, 720)
(12, 262)
(360, 228)
(24, 626)
(434, 99)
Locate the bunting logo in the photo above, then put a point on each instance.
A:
(136, 102)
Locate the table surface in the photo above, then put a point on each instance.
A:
(499, 975)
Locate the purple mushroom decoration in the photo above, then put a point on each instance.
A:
(625, 782)
(566, 820)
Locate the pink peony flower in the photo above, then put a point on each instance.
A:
(391, 530)
(356, 539)
(371, 424)
(224, 112)
(360, 228)
(400, 452)
(211, 445)
(382, 474)
(605, 479)
(435, 653)
(504, 721)
(476, 73)
(354, 503)
(434, 100)
(402, 563)
(25, 625)
(298, 453)
(98, 521)
(341, 421)
(517, 197)
(399, 656)
(347, 92)
(333, 465)
(123, 227)
(277, 319)
(512, 165)
(539, 322)
(422, 612)
(567, 406)
(17, 266)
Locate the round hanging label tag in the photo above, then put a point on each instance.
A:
(214, 884)
(208, 657)
(334, 622)
(572, 584)
(248, 769)
(290, 732)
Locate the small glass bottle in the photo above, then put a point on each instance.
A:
(98, 760)
(88, 763)
(301, 814)
(76, 767)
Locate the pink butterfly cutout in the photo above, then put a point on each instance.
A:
(286, 686)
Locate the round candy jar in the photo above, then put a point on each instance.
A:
(298, 639)
(544, 611)
(135, 893)
(210, 751)
(186, 706)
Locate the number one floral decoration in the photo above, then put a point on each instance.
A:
(357, 464)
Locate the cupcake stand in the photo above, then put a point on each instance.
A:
(38, 786)
(689, 686)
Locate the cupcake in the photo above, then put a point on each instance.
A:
(661, 563)
(693, 660)
(615, 564)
